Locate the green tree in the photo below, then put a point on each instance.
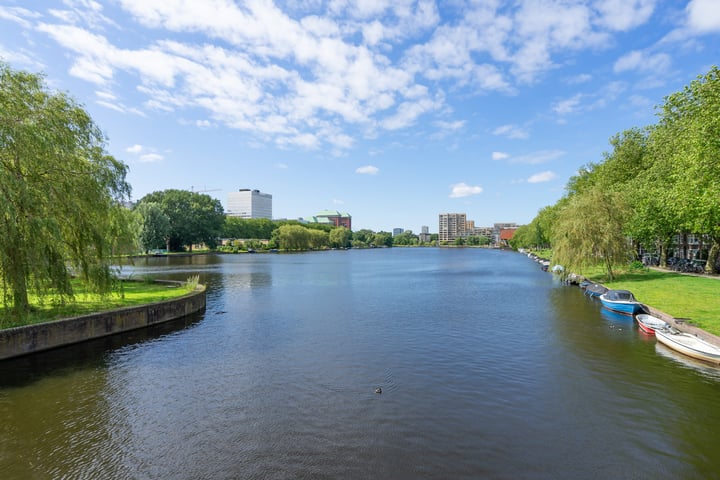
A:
(591, 230)
(362, 238)
(383, 239)
(194, 217)
(154, 226)
(292, 237)
(690, 125)
(405, 238)
(247, 228)
(319, 238)
(60, 193)
(340, 237)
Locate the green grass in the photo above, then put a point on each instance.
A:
(682, 296)
(133, 294)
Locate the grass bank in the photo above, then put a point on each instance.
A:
(130, 294)
(696, 298)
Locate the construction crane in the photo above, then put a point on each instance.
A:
(206, 190)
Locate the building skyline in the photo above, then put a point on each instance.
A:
(451, 226)
(248, 203)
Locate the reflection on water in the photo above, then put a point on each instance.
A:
(489, 368)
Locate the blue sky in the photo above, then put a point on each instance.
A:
(392, 110)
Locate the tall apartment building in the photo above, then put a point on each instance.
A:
(247, 203)
(452, 226)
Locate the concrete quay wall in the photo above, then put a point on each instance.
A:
(29, 339)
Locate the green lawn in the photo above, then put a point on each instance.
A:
(682, 296)
(132, 294)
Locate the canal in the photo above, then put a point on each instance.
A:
(489, 368)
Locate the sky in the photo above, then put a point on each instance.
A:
(393, 111)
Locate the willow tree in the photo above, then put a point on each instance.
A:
(59, 193)
(590, 230)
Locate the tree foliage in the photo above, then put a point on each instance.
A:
(667, 175)
(154, 226)
(60, 193)
(248, 228)
(194, 217)
(339, 237)
(590, 230)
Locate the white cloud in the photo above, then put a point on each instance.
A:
(281, 166)
(151, 157)
(542, 177)
(368, 170)
(450, 126)
(643, 62)
(510, 131)
(623, 15)
(144, 154)
(460, 190)
(703, 16)
(321, 74)
(21, 16)
(534, 158)
(580, 78)
(567, 106)
(500, 156)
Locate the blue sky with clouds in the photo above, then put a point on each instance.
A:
(392, 110)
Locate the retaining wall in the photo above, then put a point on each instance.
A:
(44, 336)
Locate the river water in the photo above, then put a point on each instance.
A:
(489, 368)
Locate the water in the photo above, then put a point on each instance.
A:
(489, 368)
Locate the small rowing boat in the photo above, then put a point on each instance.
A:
(688, 344)
(648, 323)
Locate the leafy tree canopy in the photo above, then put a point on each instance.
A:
(194, 217)
(60, 193)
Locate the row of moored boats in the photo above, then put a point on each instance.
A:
(624, 302)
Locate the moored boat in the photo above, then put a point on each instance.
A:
(595, 290)
(688, 344)
(648, 323)
(621, 301)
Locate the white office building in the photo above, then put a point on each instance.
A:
(247, 203)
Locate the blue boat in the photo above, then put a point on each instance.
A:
(621, 301)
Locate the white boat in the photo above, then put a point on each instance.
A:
(649, 323)
(688, 344)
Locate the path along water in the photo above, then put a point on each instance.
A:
(489, 368)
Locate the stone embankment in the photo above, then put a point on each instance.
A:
(29, 339)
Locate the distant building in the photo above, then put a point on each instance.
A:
(506, 234)
(397, 231)
(452, 226)
(424, 235)
(499, 227)
(332, 217)
(246, 203)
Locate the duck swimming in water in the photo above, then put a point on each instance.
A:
(378, 390)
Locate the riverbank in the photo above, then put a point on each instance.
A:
(690, 303)
(24, 340)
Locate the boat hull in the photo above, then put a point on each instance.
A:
(689, 345)
(626, 308)
(648, 324)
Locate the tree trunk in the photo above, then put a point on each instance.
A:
(21, 303)
(712, 257)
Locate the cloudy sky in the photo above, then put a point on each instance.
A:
(391, 110)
